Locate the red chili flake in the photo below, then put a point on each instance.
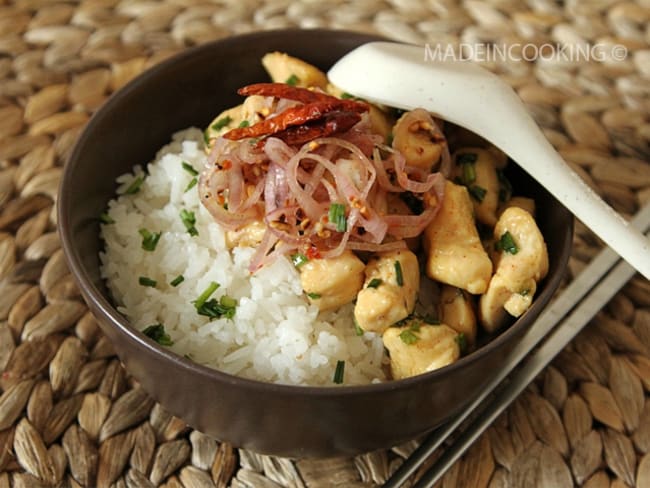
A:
(313, 253)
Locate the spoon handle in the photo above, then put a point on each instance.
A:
(466, 94)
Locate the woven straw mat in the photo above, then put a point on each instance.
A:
(69, 413)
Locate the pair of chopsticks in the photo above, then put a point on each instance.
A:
(579, 303)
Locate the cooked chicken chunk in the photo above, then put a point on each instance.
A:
(457, 311)
(455, 255)
(415, 136)
(249, 235)
(521, 263)
(331, 283)
(476, 169)
(389, 291)
(283, 68)
(528, 204)
(421, 348)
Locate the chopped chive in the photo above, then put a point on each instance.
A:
(399, 277)
(507, 243)
(389, 139)
(461, 340)
(347, 96)
(224, 307)
(149, 239)
(177, 281)
(477, 192)
(191, 184)
(244, 123)
(144, 281)
(212, 287)
(357, 328)
(314, 296)
(524, 293)
(466, 158)
(408, 337)
(292, 80)
(222, 122)
(298, 259)
(336, 216)
(189, 168)
(469, 173)
(106, 219)
(430, 320)
(206, 138)
(158, 334)
(374, 283)
(189, 220)
(338, 372)
(134, 187)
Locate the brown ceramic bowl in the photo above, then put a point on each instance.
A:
(189, 90)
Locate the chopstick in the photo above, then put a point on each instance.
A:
(573, 295)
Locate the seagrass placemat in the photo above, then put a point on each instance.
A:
(69, 413)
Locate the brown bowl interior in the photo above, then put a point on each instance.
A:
(274, 419)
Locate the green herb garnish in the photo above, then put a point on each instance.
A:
(298, 259)
(469, 173)
(408, 337)
(357, 328)
(507, 243)
(477, 192)
(177, 281)
(292, 80)
(337, 216)
(144, 281)
(461, 340)
(106, 219)
(399, 277)
(134, 187)
(203, 297)
(244, 123)
(374, 283)
(430, 320)
(191, 184)
(389, 139)
(206, 138)
(466, 158)
(189, 220)
(338, 372)
(158, 334)
(189, 168)
(314, 296)
(149, 239)
(216, 309)
(222, 122)
(524, 293)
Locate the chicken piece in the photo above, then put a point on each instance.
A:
(417, 348)
(455, 255)
(389, 291)
(521, 263)
(333, 282)
(528, 204)
(249, 235)
(476, 169)
(457, 311)
(283, 68)
(417, 138)
(222, 123)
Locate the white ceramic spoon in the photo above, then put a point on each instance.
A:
(399, 75)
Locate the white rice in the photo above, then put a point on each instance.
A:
(275, 335)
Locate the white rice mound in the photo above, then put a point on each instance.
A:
(275, 335)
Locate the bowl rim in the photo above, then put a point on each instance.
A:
(103, 305)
